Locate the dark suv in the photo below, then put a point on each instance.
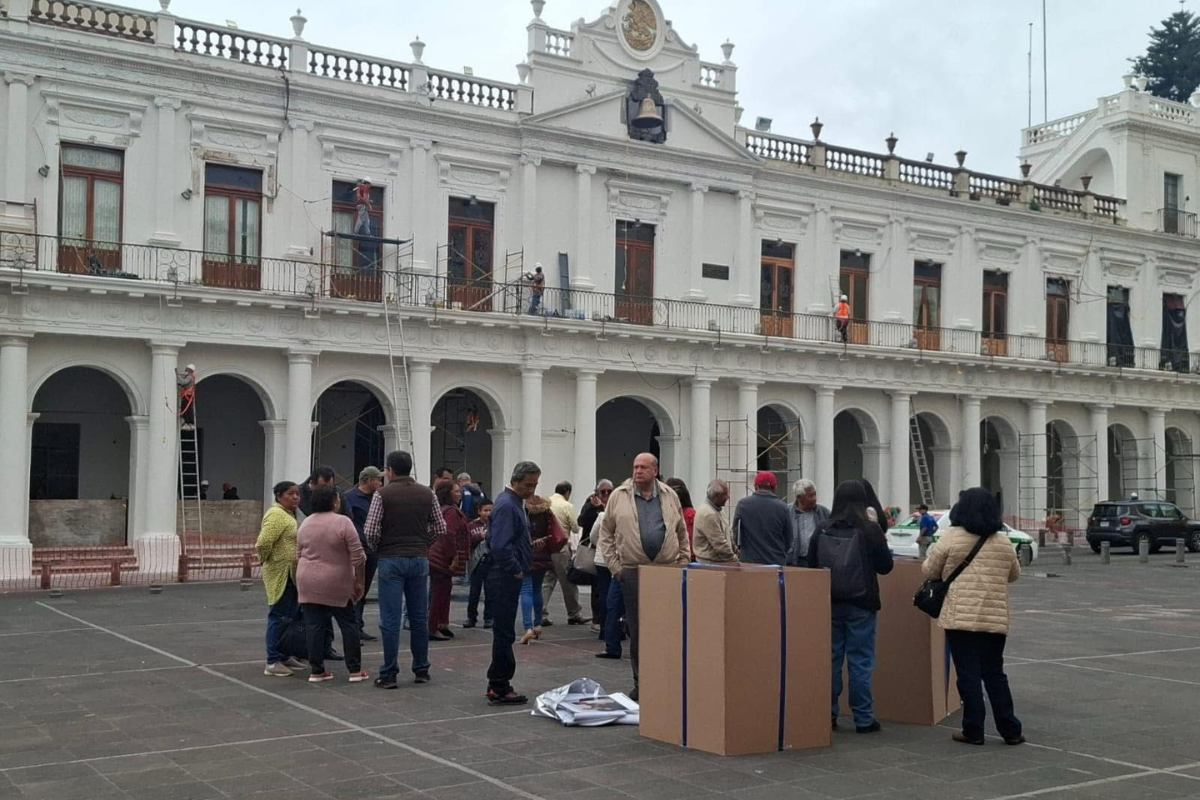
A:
(1125, 523)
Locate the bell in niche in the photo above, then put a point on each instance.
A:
(648, 115)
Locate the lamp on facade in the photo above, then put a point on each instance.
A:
(44, 170)
(891, 143)
(961, 155)
(817, 126)
(762, 124)
(186, 194)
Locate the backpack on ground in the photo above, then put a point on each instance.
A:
(843, 551)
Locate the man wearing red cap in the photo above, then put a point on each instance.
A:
(762, 524)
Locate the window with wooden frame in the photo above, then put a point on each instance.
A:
(927, 304)
(348, 252)
(995, 313)
(1172, 184)
(854, 278)
(232, 226)
(90, 209)
(470, 251)
(1058, 317)
(777, 285)
(634, 285)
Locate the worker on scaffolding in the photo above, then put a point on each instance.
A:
(186, 381)
(537, 286)
(841, 318)
(362, 225)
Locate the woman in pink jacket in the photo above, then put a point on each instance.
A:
(330, 580)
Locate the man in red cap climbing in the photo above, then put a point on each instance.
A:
(762, 524)
(186, 381)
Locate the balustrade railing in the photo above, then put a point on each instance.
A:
(711, 75)
(1176, 112)
(1057, 197)
(778, 148)
(1173, 220)
(124, 23)
(1003, 189)
(354, 68)
(855, 162)
(180, 271)
(465, 89)
(231, 44)
(1055, 129)
(926, 174)
(1108, 206)
(559, 43)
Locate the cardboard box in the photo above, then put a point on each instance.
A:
(753, 647)
(914, 679)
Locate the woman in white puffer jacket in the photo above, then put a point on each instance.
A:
(975, 613)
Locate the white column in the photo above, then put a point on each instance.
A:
(744, 439)
(158, 545)
(581, 274)
(274, 457)
(701, 434)
(297, 462)
(420, 402)
(823, 474)
(139, 428)
(901, 450)
(300, 240)
(1100, 429)
(746, 262)
(424, 237)
(391, 438)
(529, 166)
(15, 551)
(1037, 429)
(166, 174)
(1156, 427)
(502, 463)
(584, 474)
(30, 419)
(695, 253)
(531, 415)
(668, 449)
(971, 455)
(16, 135)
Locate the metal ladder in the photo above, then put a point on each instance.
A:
(924, 480)
(401, 400)
(191, 518)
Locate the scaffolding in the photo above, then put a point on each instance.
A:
(1179, 473)
(1057, 491)
(776, 449)
(354, 266)
(1138, 467)
(471, 287)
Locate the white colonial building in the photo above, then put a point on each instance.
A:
(169, 187)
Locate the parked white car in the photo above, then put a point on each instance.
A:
(902, 538)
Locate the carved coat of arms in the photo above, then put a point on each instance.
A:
(639, 26)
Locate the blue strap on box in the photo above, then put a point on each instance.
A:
(683, 722)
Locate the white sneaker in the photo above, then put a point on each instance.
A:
(277, 670)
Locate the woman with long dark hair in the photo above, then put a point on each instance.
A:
(880, 515)
(975, 612)
(276, 547)
(854, 550)
(689, 511)
(448, 557)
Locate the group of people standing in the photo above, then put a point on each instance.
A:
(415, 540)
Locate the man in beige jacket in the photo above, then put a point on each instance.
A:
(712, 539)
(643, 524)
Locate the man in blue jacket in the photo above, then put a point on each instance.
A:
(511, 558)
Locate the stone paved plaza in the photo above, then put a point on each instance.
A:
(121, 693)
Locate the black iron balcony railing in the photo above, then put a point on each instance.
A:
(180, 271)
(1173, 220)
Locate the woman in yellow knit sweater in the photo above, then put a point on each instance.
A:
(276, 548)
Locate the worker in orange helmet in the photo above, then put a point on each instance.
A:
(841, 317)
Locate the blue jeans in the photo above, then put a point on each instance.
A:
(403, 587)
(279, 616)
(535, 302)
(854, 643)
(531, 599)
(615, 609)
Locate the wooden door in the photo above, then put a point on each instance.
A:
(1058, 319)
(775, 295)
(854, 284)
(635, 282)
(469, 270)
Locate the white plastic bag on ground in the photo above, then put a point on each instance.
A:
(585, 703)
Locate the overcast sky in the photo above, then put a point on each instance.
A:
(942, 74)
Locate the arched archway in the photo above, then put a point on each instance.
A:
(856, 447)
(1062, 471)
(999, 449)
(348, 435)
(229, 410)
(626, 426)
(1179, 471)
(1123, 462)
(778, 447)
(461, 437)
(80, 451)
(937, 445)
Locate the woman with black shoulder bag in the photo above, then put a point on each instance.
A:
(975, 613)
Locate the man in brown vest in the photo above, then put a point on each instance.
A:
(403, 521)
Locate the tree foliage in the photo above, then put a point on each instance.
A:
(1172, 61)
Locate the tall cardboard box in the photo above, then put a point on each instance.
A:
(726, 651)
(914, 679)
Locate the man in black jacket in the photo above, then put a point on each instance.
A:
(762, 524)
(592, 507)
(855, 551)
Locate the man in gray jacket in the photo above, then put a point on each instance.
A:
(806, 514)
(762, 524)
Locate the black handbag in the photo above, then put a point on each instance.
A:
(932, 593)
